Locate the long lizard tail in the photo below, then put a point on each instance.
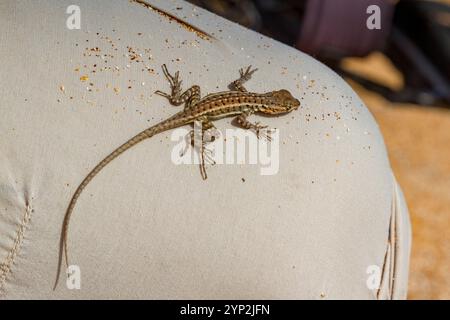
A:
(173, 122)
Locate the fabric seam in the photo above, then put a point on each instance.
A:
(6, 266)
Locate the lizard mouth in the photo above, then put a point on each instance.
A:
(295, 105)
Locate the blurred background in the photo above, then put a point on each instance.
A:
(396, 56)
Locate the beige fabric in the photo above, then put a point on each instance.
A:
(147, 228)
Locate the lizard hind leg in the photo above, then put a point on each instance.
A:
(199, 138)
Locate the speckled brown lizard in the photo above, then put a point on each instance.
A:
(237, 102)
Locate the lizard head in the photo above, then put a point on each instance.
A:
(282, 102)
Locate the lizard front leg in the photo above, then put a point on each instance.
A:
(245, 76)
(260, 130)
(190, 97)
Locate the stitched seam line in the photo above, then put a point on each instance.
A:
(388, 271)
(383, 272)
(5, 267)
(395, 244)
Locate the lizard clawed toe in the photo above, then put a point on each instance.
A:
(208, 155)
(174, 81)
(262, 131)
(167, 74)
(158, 92)
(247, 74)
(264, 134)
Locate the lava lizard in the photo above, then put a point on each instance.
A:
(237, 102)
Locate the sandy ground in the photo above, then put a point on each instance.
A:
(418, 142)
